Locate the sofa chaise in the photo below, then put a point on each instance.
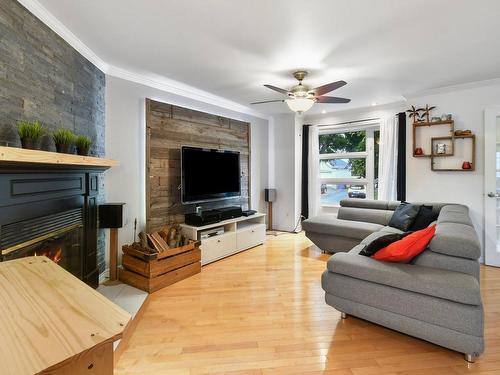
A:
(436, 297)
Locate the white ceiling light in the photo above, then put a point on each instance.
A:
(300, 105)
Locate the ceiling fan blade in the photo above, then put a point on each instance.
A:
(281, 91)
(331, 99)
(268, 101)
(321, 90)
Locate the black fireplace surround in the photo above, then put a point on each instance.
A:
(51, 211)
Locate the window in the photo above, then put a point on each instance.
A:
(348, 164)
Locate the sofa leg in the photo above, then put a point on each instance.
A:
(471, 358)
(343, 315)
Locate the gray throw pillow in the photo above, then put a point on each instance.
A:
(404, 216)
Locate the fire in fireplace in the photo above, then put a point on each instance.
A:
(62, 244)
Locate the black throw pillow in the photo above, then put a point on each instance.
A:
(424, 218)
(381, 242)
(404, 216)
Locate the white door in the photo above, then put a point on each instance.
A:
(492, 186)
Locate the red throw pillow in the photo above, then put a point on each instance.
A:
(406, 249)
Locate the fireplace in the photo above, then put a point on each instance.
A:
(59, 237)
(51, 212)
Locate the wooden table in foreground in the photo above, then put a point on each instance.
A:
(53, 323)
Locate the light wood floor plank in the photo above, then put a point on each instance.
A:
(262, 312)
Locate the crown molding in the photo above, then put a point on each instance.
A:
(181, 89)
(157, 82)
(452, 88)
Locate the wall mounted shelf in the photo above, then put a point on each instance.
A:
(21, 156)
(423, 132)
(465, 156)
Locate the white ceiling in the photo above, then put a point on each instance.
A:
(384, 49)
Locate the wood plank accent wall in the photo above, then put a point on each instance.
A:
(168, 127)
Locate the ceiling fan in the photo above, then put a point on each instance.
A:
(301, 98)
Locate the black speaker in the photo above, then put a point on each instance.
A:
(111, 215)
(270, 195)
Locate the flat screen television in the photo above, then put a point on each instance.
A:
(209, 175)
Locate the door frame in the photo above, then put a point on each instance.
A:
(491, 255)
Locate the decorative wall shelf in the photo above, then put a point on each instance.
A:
(426, 138)
(418, 128)
(472, 156)
(20, 156)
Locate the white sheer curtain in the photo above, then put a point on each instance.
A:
(314, 188)
(388, 159)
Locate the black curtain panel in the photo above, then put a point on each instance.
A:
(305, 171)
(401, 170)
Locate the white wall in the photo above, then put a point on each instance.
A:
(467, 105)
(287, 172)
(125, 142)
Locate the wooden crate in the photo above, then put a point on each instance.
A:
(151, 272)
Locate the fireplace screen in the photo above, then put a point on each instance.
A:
(62, 247)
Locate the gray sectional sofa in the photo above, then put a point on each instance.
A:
(436, 297)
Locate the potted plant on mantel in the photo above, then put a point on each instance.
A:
(64, 140)
(30, 133)
(83, 145)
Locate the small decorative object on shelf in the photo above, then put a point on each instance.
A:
(419, 151)
(435, 119)
(82, 145)
(463, 133)
(30, 133)
(466, 165)
(64, 140)
(444, 117)
(449, 117)
(441, 148)
(427, 111)
(415, 114)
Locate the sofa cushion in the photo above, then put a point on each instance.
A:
(455, 214)
(356, 249)
(388, 229)
(425, 216)
(364, 203)
(453, 286)
(330, 224)
(459, 240)
(369, 215)
(381, 242)
(407, 248)
(404, 216)
(435, 260)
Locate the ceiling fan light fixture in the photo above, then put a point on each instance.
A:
(300, 105)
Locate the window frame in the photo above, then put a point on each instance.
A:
(368, 155)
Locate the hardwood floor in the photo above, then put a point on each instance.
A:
(263, 312)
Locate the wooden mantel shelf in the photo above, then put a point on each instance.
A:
(13, 155)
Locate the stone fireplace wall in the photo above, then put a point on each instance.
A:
(43, 78)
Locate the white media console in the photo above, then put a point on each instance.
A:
(240, 234)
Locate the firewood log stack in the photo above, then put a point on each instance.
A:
(169, 237)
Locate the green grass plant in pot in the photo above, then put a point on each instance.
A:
(83, 145)
(30, 133)
(64, 140)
